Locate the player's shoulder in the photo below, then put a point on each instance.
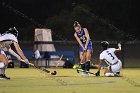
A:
(103, 52)
(75, 34)
(85, 29)
(111, 49)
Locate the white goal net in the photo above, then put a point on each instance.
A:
(45, 34)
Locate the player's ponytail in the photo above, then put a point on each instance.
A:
(13, 31)
(76, 24)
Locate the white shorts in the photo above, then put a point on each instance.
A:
(117, 67)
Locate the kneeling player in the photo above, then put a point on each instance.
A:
(108, 56)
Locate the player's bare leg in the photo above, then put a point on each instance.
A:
(83, 63)
(3, 63)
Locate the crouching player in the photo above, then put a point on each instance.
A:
(83, 38)
(108, 56)
(6, 39)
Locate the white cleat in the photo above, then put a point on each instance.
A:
(84, 74)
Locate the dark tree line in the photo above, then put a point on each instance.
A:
(105, 19)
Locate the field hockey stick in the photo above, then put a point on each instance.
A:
(80, 70)
(59, 61)
(41, 69)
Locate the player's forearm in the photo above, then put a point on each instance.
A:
(119, 46)
(87, 42)
(21, 54)
(87, 37)
(80, 43)
(14, 54)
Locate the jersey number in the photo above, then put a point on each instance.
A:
(83, 38)
(111, 55)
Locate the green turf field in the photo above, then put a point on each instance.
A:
(29, 80)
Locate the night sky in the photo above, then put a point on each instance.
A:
(124, 14)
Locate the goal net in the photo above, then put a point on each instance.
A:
(44, 35)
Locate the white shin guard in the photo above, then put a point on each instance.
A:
(1, 65)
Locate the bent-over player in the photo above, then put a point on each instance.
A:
(6, 39)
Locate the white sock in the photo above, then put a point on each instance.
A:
(3, 71)
(109, 74)
(0, 71)
(2, 68)
(1, 64)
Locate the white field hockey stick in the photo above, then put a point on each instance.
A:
(59, 61)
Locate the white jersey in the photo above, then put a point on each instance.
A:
(109, 56)
(6, 40)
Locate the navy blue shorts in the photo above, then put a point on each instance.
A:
(89, 47)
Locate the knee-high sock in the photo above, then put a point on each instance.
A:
(87, 65)
(83, 66)
(0, 71)
(3, 69)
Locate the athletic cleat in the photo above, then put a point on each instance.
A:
(97, 74)
(4, 76)
(84, 74)
(117, 74)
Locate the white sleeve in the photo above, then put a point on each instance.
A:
(112, 49)
(8, 37)
(101, 56)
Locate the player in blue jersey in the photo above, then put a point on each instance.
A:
(83, 38)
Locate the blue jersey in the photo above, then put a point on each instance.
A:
(82, 36)
(83, 39)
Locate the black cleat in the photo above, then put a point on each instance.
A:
(97, 74)
(3, 76)
(117, 74)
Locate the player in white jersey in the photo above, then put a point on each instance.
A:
(108, 56)
(6, 39)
